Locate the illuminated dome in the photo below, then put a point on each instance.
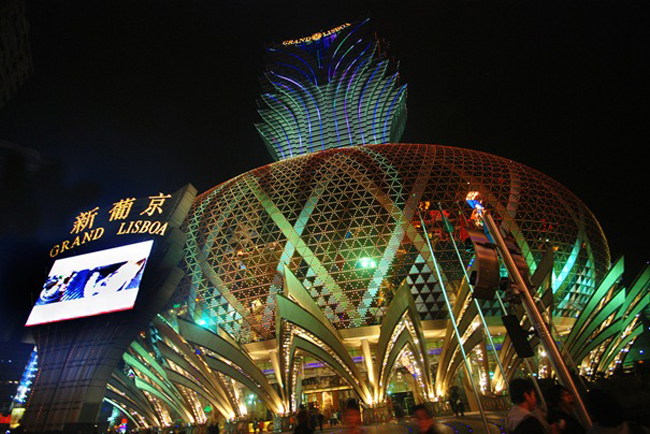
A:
(345, 222)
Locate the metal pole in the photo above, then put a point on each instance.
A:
(538, 322)
(505, 312)
(453, 322)
(526, 362)
(530, 367)
(568, 354)
(478, 306)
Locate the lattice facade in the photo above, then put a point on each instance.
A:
(329, 90)
(345, 222)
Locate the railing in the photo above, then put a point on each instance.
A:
(496, 403)
(377, 414)
(440, 408)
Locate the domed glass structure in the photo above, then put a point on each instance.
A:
(345, 221)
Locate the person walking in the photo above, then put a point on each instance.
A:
(460, 407)
(352, 418)
(313, 420)
(302, 421)
(520, 419)
(453, 399)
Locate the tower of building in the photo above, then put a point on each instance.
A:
(332, 89)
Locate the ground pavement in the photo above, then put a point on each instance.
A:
(470, 423)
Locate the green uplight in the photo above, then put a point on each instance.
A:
(366, 263)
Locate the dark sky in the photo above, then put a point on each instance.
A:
(136, 97)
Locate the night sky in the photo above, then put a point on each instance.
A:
(130, 98)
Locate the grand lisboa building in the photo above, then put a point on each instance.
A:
(337, 271)
(342, 271)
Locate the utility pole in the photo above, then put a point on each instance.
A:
(538, 321)
(478, 305)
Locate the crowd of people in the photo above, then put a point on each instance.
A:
(526, 416)
(308, 422)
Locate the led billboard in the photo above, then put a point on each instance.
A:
(91, 284)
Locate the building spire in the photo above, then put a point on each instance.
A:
(331, 89)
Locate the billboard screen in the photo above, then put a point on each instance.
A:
(91, 284)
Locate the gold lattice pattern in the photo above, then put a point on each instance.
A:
(345, 222)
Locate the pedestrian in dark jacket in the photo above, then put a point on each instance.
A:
(520, 419)
(302, 421)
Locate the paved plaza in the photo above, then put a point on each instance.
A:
(471, 423)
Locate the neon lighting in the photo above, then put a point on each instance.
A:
(347, 90)
(350, 77)
(363, 92)
(288, 92)
(341, 60)
(281, 126)
(294, 118)
(320, 121)
(294, 68)
(280, 148)
(336, 127)
(329, 72)
(397, 96)
(374, 118)
(303, 61)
